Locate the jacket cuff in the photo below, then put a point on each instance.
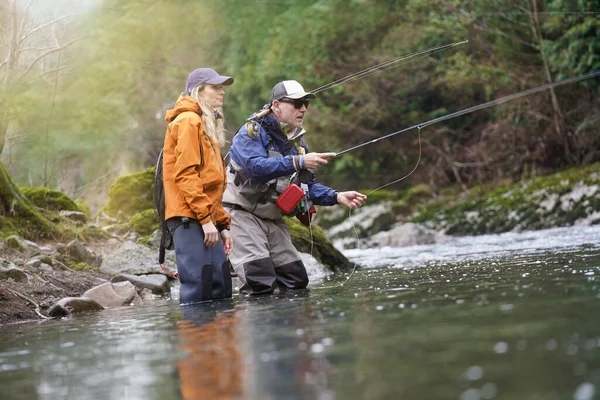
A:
(223, 227)
(335, 193)
(204, 220)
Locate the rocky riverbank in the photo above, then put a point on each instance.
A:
(419, 215)
(108, 262)
(113, 260)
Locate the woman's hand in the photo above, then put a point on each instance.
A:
(211, 234)
(227, 241)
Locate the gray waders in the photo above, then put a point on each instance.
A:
(263, 255)
(203, 271)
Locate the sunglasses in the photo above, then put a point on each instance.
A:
(298, 103)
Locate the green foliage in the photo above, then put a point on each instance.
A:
(144, 222)
(102, 113)
(82, 266)
(131, 194)
(50, 199)
(573, 41)
(18, 215)
(85, 208)
(380, 196)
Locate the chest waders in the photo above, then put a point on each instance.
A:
(203, 271)
(263, 256)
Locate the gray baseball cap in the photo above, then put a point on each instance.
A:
(205, 75)
(289, 89)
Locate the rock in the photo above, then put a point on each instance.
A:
(157, 283)
(78, 252)
(131, 236)
(154, 240)
(33, 263)
(43, 258)
(103, 219)
(26, 247)
(408, 234)
(112, 229)
(47, 249)
(114, 294)
(76, 216)
(68, 305)
(9, 270)
(146, 294)
(315, 242)
(135, 259)
(45, 267)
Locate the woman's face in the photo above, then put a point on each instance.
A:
(213, 95)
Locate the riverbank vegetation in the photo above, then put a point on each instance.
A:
(83, 96)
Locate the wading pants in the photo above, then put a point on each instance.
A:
(263, 255)
(203, 271)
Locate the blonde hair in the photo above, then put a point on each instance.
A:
(214, 127)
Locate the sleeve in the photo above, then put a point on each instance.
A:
(223, 219)
(252, 155)
(188, 159)
(320, 194)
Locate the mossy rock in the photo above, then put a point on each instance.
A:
(417, 193)
(322, 248)
(131, 194)
(84, 208)
(81, 266)
(6, 228)
(537, 203)
(144, 223)
(380, 196)
(49, 199)
(328, 217)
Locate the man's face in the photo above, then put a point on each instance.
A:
(291, 111)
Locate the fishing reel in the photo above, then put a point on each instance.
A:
(252, 126)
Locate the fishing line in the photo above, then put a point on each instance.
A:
(478, 107)
(368, 194)
(389, 63)
(443, 118)
(384, 66)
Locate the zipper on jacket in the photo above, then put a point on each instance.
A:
(222, 184)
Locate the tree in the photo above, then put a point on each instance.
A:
(19, 69)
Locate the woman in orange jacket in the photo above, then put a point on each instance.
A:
(194, 182)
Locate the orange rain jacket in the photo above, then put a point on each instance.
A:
(193, 168)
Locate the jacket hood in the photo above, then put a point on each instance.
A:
(183, 104)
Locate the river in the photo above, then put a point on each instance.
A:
(511, 316)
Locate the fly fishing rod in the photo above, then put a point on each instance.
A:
(478, 107)
(386, 65)
(443, 118)
(395, 62)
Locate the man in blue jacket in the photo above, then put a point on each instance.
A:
(270, 175)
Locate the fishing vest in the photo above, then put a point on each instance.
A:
(254, 196)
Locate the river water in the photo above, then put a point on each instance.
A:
(511, 316)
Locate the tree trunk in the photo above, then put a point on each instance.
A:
(557, 115)
(17, 210)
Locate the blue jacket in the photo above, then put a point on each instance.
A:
(251, 153)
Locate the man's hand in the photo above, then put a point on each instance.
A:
(351, 199)
(227, 241)
(314, 160)
(211, 234)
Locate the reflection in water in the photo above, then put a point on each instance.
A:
(212, 368)
(282, 343)
(516, 324)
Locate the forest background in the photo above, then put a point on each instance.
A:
(84, 85)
